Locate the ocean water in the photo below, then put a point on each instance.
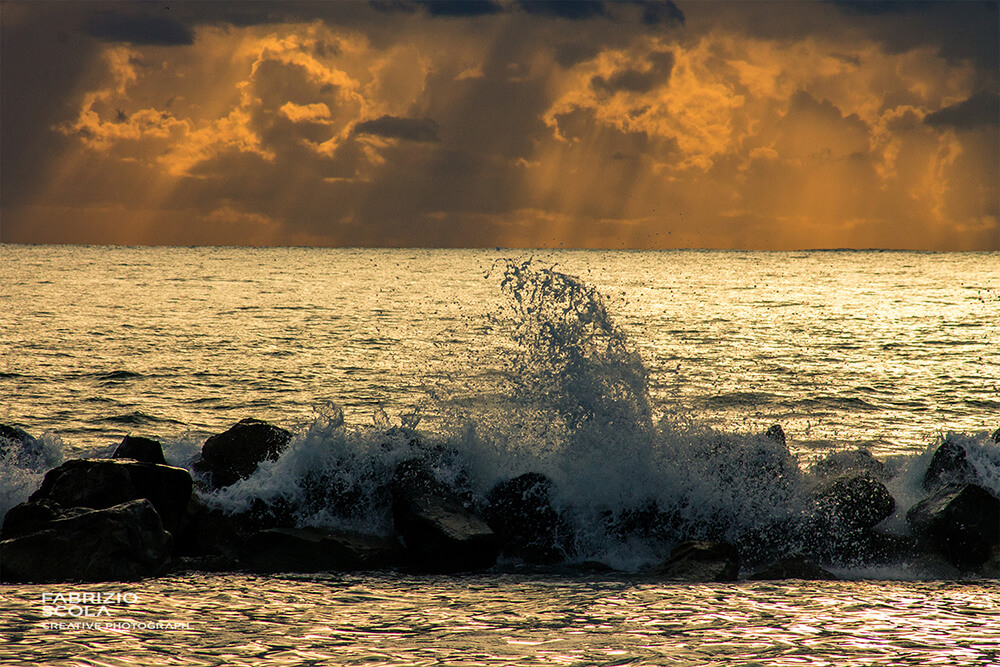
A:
(631, 379)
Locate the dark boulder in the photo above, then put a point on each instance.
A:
(853, 501)
(120, 543)
(142, 449)
(440, 532)
(697, 561)
(31, 517)
(234, 455)
(776, 433)
(949, 465)
(645, 522)
(318, 550)
(15, 434)
(959, 521)
(794, 566)
(19, 448)
(852, 461)
(103, 483)
(831, 543)
(520, 512)
(211, 532)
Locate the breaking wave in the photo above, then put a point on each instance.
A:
(571, 402)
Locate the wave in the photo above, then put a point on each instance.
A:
(117, 376)
(570, 402)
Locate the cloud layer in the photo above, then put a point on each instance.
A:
(642, 124)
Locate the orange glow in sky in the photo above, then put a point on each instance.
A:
(647, 124)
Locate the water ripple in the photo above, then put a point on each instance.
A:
(511, 620)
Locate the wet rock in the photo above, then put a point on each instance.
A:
(234, 455)
(103, 483)
(31, 517)
(119, 543)
(19, 448)
(646, 522)
(794, 566)
(949, 465)
(15, 434)
(991, 568)
(760, 543)
(853, 501)
(831, 544)
(776, 433)
(319, 550)
(520, 512)
(698, 561)
(211, 533)
(440, 532)
(854, 461)
(142, 449)
(960, 521)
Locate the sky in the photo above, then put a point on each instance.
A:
(642, 124)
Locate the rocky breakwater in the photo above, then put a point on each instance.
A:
(124, 518)
(96, 520)
(960, 519)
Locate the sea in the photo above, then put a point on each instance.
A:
(630, 378)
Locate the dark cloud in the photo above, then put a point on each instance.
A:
(460, 7)
(574, 53)
(44, 60)
(158, 30)
(637, 81)
(423, 130)
(456, 8)
(980, 110)
(879, 7)
(959, 30)
(566, 9)
(659, 12)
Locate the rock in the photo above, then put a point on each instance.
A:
(103, 483)
(439, 531)
(140, 449)
(697, 561)
(996, 436)
(960, 521)
(119, 543)
(520, 512)
(949, 465)
(31, 517)
(776, 433)
(795, 566)
(16, 441)
(19, 448)
(991, 568)
(319, 550)
(234, 455)
(645, 522)
(211, 533)
(854, 501)
(854, 461)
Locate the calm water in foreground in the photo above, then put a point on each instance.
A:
(844, 349)
(508, 620)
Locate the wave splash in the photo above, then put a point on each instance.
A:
(573, 405)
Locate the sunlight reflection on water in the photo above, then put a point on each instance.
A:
(512, 620)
